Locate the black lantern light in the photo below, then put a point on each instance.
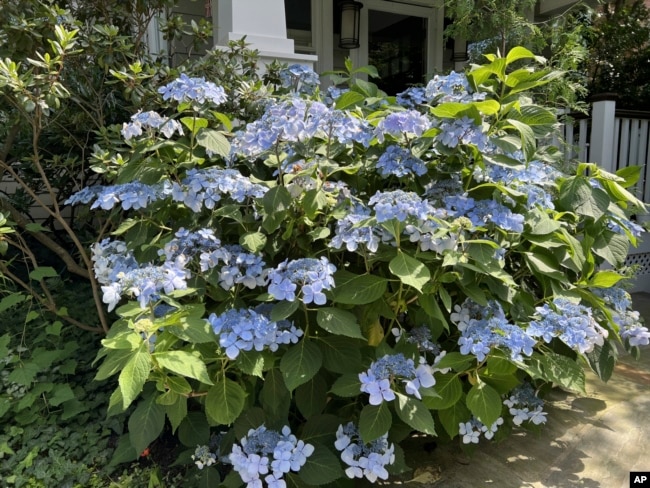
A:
(350, 23)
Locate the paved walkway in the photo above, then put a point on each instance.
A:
(593, 442)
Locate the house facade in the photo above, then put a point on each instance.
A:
(402, 39)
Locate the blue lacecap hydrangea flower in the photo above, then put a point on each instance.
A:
(364, 460)
(268, 455)
(378, 381)
(313, 276)
(400, 162)
(300, 78)
(186, 89)
(251, 329)
(524, 405)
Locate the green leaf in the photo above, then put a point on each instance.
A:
(214, 141)
(300, 363)
(612, 247)
(251, 418)
(61, 393)
(184, 364)
(178, 385)
(43, 272)
(114, 362)
(488, 107)
(411, 271)
(602, 360)
(274, 394)
(347, 385)
(339, 322)
(321, 468)
(194, 123)
(341, 355)
(320, 429)
(134, 375)
(252, 362)
(349, 98)
(485, 403)
(192, 329)
(578, 196)
(449, 389)
(311, 397)
(353, 289)
(146, 423)
(194, 430)
(517, 53)
(557, 369)
(544, 265)
(124, 452)
(210, 477)
(528, 144)
(414, 413)
(224, 402)
(176, 412)
(456, 361)
(276, 203)
(313, 201)
(374, 421)
(253, 242)
(283, 310)
(605, 279)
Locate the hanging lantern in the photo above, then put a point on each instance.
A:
(350, 24)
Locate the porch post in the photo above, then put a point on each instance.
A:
(603, 121)
(264, 25)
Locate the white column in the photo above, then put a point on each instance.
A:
(603, 120)
(264, 25)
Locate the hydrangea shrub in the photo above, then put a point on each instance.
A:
(350, 268)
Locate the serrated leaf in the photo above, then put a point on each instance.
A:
(283, 310)
(374, 421)
(414, 414)
(339, 322)
(605, 279)
(214, 141)
(300, 363)
(528, 144)
(176, 412)
(449, 389)
(347, 385)
(184, 364)
(411, 271)
(602, 360)
(341, 355)
(484, 402)
(224, 402)
(456, 361)
(320, 429)
(276, 203)
(146, 423)
(321, 468)
(194, 430)
(349, 98)
(252, 418)
(253, 242)
(134, 375)
(352, 289)
(311, 397)
(274, 393)
(124, 452)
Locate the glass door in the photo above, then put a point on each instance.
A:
(397, 47)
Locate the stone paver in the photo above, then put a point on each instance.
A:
(593, 441)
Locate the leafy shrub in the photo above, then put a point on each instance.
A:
(299, 293)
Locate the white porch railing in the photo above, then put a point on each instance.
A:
(615, 139)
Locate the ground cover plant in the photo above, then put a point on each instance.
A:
(298, 294)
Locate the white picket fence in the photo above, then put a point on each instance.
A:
(615, 139)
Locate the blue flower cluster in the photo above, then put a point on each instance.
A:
(412, 97)
(472, 430)
(333, 93)
(351, 233)
(269, 454)
(628, 321)
(204, 457)
(295, 120)
(237, 266)
(451, 88)
(421, 337)
(483, 328)
(314, 276)
(146, 283)
(378, 380)
(571, 322)
(621, 225)
(462, 131)
(186, 89)
(364, 460)
(400, 162)
(480, 212)
(524, 405)
(402, 124)
(299, 78)
(120, 274)
(205, 187)
(245, 330)
(398, 204)
(133, 195)
(142, 120)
